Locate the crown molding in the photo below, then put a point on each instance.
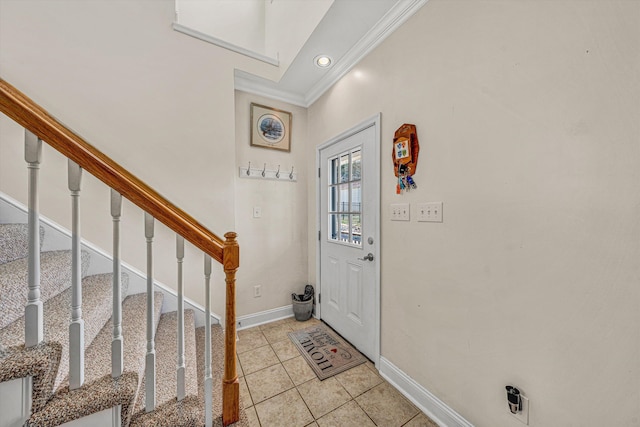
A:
(223, 44)
(394, 18)
(249, 83)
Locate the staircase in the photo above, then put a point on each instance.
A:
(87, 351)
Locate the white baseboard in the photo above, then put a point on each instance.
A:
(435, 409)
(260, 318)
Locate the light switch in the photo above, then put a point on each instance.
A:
(399, 212)
(257, 212)
(429, 212)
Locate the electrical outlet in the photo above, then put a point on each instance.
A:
(429, 212)
(257, 291)
(399, 212)
(522, 416)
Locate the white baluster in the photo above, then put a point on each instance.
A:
(208, 378)
(33, 316)
(181, 368)
(76, 327)
(150, 361)
(117, 342)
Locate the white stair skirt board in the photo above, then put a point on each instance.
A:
(57, 237)
(15, 405)
(262, 317)
(106, 418)
(435, 409)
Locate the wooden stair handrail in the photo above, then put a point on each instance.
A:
(31, 116)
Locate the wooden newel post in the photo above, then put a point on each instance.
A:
(230, 383)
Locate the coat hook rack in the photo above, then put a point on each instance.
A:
(269, 174)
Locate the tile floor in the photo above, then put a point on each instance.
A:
(279, 389)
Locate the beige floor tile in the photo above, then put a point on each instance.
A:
(285, 349)
(239, 370)
(268, 382)
(284, 410)
(299, 370)
(386, 406)
(252, 418)
(348, 415)
(358, 380)
(277, 333)
(313, 424)
(248, 339)
(245, 396)
(270, 325)
(296, 325)
(257, 359)
(421, 421)
(323, 397)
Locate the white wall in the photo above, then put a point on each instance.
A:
(527, 114)
(288, 25)
(158, 102)
(241, 23)
(274, 247)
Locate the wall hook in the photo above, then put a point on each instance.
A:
(249, 169)
(278, 172)
(264, 170)
(291, 174)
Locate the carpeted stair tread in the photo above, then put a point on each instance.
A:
(185, 413)
(57, 315)
(166, 377)
(14, 241)
(217, 373)
(98, 395)
(98, 383)
(55, 277)
(41, 362)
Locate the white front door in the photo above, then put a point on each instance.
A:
(349, 187)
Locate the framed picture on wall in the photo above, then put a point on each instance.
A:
(270, 128)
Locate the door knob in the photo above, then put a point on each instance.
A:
(368, 257)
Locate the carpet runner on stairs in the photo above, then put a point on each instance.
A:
(55, 277)
(96, 290)
(53, 403)
(14, 242)
(168, 411)
(100, 391)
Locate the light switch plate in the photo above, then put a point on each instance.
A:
(257, 212)
(429, 212)
(399, 211)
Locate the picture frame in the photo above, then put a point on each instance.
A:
(270, 128)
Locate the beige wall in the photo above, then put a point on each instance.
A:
(274, 247)
(158, 102)
(527, 113)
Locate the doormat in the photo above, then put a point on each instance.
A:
(326, 352)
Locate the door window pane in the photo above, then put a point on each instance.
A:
(344, 168)
(333, 199)
(356, 197)
(356, 165)
(356, 230)
(344, 228)
(333, 171)
(334, 228)
(345, 198)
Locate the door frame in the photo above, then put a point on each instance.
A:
(373, 121)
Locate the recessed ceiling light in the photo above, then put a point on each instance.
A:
(322, 61)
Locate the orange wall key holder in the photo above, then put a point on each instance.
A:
(405, 156)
